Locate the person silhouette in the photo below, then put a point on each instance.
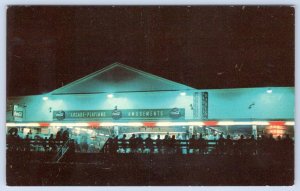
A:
(124, 143)
(149, 143)
(132, 143)
(158, 143)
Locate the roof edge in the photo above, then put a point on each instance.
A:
(126, 67)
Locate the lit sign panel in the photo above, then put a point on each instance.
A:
(125, 114)
(17, 113)
(204, 105)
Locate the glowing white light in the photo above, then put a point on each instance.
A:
(106, 124)
(130, 124)
(69, 124)
(195, 123)
(226, 123)
(260, 123)
(182, 93)
(45, 98)
(166, 124)
(110, 95)
(135, 124)
(269, 91)
(290, 123)
(163, 124)
(22, 124)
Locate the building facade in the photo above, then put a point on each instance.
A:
(121, 100)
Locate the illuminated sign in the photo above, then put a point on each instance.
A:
(116, 114)
(126, 114)
(18, 114)
(175, 113)
(60, 115)
(204, 105)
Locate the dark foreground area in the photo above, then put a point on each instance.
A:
(150, 169)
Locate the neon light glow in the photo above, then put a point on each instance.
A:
(210, 123)
(276, 122)
(276, 130)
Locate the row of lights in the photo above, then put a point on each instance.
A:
(112, 95)
(269, 91)
(155, 124)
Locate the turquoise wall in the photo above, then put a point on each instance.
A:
(223, 104)
(234, 103)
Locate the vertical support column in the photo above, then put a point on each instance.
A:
(204, 105)
(116, 130)
(196, 105)
(254, 131)
(227, 130)
(190, 131)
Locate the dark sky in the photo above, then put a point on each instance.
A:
(203, 47)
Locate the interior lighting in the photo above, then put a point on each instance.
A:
(110, 95)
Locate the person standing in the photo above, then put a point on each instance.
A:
(158, 143)
(201, 144)
(59, 135)
(192, 145)
(149, 143)
(140, 143)
(124, 143)
(65, 135)
(166, 146)
(132, 143)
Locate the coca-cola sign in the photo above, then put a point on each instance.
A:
(59, 115)
(124, 114)
(175, 113)
(116, 114)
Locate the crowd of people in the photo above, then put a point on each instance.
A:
(199, 145)
(47, 144)
(224, 145)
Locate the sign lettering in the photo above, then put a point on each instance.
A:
(125, 114)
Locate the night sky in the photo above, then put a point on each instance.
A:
(203, 47)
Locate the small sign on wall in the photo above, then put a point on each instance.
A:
(126, 114)
(18, 113)
(204, 105)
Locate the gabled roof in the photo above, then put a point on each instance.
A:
(120, 78)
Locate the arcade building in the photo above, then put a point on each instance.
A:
(119, 99)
